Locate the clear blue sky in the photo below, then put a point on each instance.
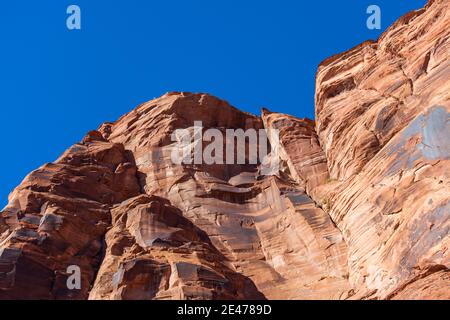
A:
(56, 84)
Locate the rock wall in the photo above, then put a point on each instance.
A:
(358, 210)
(382, 113)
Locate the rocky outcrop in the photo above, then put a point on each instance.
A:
(382, 113)
(358, 207)
(265, 227)
(57, 218)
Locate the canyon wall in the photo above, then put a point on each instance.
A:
(359, 208)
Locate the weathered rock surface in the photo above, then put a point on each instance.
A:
(383, 121)
(358, 210)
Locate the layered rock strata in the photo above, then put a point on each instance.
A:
(358, 208)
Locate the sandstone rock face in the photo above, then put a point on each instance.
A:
(266, 228)
(58, 217)
(358, 208)
(383, 121)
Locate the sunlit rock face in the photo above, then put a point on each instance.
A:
(382, 113)
(358, 207)
(264, 231)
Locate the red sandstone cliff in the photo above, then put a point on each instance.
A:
(359, 210)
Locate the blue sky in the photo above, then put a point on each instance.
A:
(56, 84)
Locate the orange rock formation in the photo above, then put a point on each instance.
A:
(359, 210)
